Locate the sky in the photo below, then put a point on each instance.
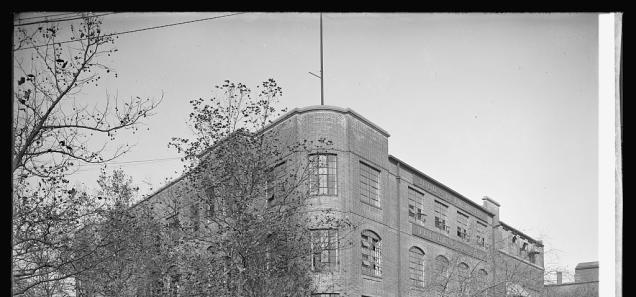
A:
(498, 105)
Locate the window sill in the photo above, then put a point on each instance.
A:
(374, 206)
(371, 277)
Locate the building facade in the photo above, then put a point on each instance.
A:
(585, 282)
(415, 236)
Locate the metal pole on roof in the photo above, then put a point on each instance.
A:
(322, 74)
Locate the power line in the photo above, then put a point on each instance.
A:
(60, 20)
(139, 30)
(46, 16)
(134, 161)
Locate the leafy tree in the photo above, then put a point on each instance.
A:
(243, 200)
(54, 129)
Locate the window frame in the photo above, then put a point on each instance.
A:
(371, 249)
(366, 186)
(462, 226)
(331, 250)
(441, 217)
(330, 176)
(273, 183)
(416, 266)
(416, 215)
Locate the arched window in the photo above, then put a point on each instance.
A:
(482, 277)
(462, 272)
(371, 254)
(441, 265)
(416, 266)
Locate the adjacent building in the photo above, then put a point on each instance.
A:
(415, 236)
(585, 282)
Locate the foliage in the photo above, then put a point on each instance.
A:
(54, 130)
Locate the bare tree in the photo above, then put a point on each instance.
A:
(54, 129)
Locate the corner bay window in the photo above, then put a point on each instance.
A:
(369, 185)
(322, 174)
(440, 217)
(371, 254)
(416, 207)
(324, 249)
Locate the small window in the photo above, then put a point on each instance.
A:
(369, 185)
(323, 174)
(371, 254)
(325, 294)
(440, 217)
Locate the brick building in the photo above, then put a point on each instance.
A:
(585, 282)
(415, 236)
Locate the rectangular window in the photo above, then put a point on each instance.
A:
(210, 202)
(440, 216)
(416, 207)
(481, 234)
(322, 174)
(194, 211)
(325, 294)
(462, 226)
(324, 249)
(275, 182)
(369, 185)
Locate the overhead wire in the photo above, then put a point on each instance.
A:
(61, 20)
(137, 30)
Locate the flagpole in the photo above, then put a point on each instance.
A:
(322, 74)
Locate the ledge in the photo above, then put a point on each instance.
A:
(301, 110)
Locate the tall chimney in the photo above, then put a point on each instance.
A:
(559, 277)
(492, 206)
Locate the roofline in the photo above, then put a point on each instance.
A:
(538, 242)
(569, 284)
(297, 110)
(161, 189)
(300, 110)
(443, 186)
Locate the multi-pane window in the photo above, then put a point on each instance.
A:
(416, 207)
(482, 282)
(371, 254)
(440, 270)
(416, 266)
(275, 182)
(462, 272)
(481, 234)
(369, 185)
(441, 211)
(324, 249)
(462, 226)
(322, 174)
